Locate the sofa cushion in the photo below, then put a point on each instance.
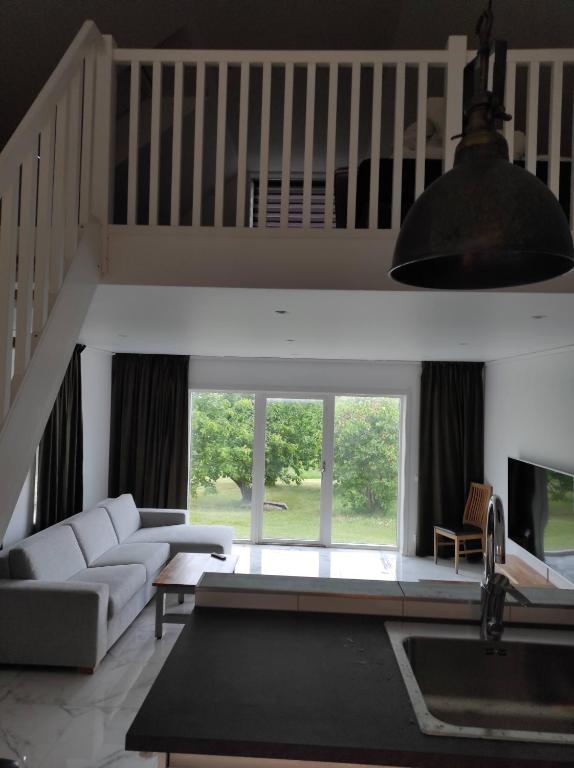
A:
(124, 515)
(188, 538)
(123, 581)
(152, 556)
(4, 565)
(94, 531)
(53, 554)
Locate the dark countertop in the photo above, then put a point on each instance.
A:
(301, 686)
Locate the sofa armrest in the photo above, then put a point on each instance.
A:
(155, 517)
(53, 623)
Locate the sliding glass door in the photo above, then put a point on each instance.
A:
(294, 468)
(293, 463)
(366, 463)
(221, 460)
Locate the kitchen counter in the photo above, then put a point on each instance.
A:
(400, 599)
(302, 686)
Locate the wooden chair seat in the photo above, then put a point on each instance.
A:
(471, 528)
(461, 530)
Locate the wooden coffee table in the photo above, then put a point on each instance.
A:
(181, 575)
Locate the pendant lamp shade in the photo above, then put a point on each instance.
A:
(485, 224)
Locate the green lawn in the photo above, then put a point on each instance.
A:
(299, 521)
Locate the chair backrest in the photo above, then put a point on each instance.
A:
(477, 505)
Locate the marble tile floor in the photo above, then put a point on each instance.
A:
(65, 719)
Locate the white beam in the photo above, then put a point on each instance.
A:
(31, 408)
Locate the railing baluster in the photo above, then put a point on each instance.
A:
(102, 198)
(555, 128)
(242, 146)
(532, 116)
(330, 150)
(456, 61)
(198, 143)
(353, 145)
(398, 146)
(87, 135)
(220, 145)
(421, 146)
(133, 145)
(154, 144)
(286, 145)
(375, 145)
(8, 246)
(26, 243)
(509, 98)
(264, 144)
(58, 210)
(176, 143)
(73, 170)
(308, 152)
(44, 222)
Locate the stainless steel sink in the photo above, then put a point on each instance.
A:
(519, 688)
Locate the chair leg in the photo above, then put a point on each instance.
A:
(435, 547)
(456, 554)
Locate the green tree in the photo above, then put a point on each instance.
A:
(560, 486)
(366, 453)
(222, 440)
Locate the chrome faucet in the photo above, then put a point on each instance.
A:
(494, 585)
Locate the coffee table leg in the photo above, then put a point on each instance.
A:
(180, 597)
(159, 611)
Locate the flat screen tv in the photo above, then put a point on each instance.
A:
(541, 513)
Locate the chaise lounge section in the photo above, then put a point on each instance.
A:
(69, 592)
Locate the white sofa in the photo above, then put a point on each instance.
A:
(68, 593)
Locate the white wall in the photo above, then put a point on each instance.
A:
(529, 415)
(328, 376)
(96, 403)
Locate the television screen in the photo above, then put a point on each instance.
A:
(541, 513)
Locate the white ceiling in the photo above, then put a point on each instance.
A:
(332, 325)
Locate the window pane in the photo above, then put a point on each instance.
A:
(366, 470)
(293, 437)
(221, 460)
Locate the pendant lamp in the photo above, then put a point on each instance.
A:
(487, 223)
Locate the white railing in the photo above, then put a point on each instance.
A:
(540, 89)
(48, 190)
(235, 116)
(220, 138)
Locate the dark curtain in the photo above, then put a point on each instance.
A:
(61, 452)
(149, 429)
(451, 451)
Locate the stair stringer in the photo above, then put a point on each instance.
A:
(29, 412)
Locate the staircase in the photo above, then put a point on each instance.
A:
(54, 213)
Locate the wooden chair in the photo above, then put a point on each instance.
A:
(472, 528)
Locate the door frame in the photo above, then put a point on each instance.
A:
(405, 459)
(258, 472)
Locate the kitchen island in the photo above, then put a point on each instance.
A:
(280, 685)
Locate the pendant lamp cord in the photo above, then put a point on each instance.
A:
(483, 31)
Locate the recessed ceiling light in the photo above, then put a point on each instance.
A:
(538, 317)
(463, 343)
(290, 341)
(122, 335)
(281, 311)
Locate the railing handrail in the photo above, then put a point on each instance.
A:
(261, 56)
(52, 91)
